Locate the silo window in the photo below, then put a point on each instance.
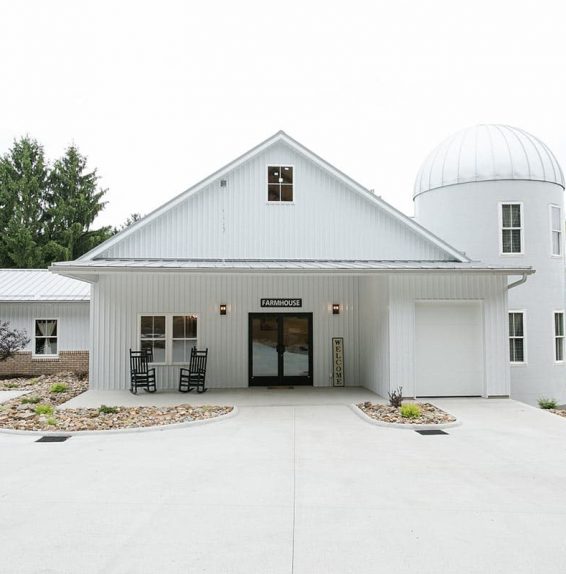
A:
(512, 228)
(517, 349)
(279, 183)
(559, 336)
(556, 229)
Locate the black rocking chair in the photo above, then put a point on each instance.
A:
(194, 377)
(141, 376)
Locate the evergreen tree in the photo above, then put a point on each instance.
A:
(73, 202)
(23, 186)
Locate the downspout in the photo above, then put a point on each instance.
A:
(518, 282)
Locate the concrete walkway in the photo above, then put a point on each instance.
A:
(303, 489)
(250, 397)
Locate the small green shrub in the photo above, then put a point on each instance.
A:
(104, 410)
(11, 385)
(44, 409)
(51, 421)
(33, 400)
(410, 411)
(545, 403)
(59, 388)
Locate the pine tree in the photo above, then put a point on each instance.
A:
(73, 202)
(23, 185)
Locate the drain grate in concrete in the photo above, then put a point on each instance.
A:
(431, 431)
(53, 438)
(279, 388)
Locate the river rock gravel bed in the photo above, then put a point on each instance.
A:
(559, 412)
(430, 414)
(20, 414)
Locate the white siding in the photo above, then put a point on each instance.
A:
(405, 290)
(328, 220)
(117, 301)
(374, 334)
(73, 326)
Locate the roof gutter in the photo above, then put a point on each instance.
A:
(519, 281)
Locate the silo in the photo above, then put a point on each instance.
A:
(496, 192)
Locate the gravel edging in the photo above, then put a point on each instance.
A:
(407, 426)
(171, 426)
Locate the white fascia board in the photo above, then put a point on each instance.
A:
(90, 274)
(298, 147)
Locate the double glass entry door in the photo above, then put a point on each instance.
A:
(280, 349)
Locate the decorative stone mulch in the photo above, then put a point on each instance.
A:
(559, 412)
(388, 414)
(16, 414)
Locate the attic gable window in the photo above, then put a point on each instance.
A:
(279, 183)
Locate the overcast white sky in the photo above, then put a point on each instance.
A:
(160, 94)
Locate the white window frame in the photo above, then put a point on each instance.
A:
(553, 231)
(555, 336)
(168, 334)
(524, 337)
(521, 229)
(266, 189)
(44, 356)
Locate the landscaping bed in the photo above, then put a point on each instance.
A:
(37, 410)
(559, 412)
(429, 414)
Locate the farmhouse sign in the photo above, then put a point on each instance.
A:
(338, 361)
(281, 302)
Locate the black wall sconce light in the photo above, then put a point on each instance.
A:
(223, 308)
(336, 308)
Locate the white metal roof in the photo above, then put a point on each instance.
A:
(488, 152)
(263, 266)
(40, 285)
(280, 136)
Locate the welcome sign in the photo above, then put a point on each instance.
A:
(338, 361)
(281, 302)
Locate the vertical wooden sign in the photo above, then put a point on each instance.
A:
(338, 361)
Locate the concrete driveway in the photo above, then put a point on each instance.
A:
(304, 488)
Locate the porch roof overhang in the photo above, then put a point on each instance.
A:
(89, 270)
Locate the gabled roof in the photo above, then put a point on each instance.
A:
(37, 285)
(299, 148)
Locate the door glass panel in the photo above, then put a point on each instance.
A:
(296, 342)
(264, 347)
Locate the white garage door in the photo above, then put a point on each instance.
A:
(449, 349)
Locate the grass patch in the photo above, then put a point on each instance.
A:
(410, 411)
(105, 410)
(44, 409)
(52, 421)
(545, 403)
(33, 400)
(58, 388)
(11, 385)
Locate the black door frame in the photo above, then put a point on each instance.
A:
(280, 378)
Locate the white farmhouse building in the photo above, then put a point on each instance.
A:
(278, 258)
(54, 313)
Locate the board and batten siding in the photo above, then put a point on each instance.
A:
(374, 334)
(327, 220)
(72, 327)
(405, 290)
(117, 301)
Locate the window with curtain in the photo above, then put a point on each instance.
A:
(559, 336)
(516, 337)
(45, 337)
(556, 229)
(511, 228)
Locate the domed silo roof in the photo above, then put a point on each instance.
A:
(488, 152)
